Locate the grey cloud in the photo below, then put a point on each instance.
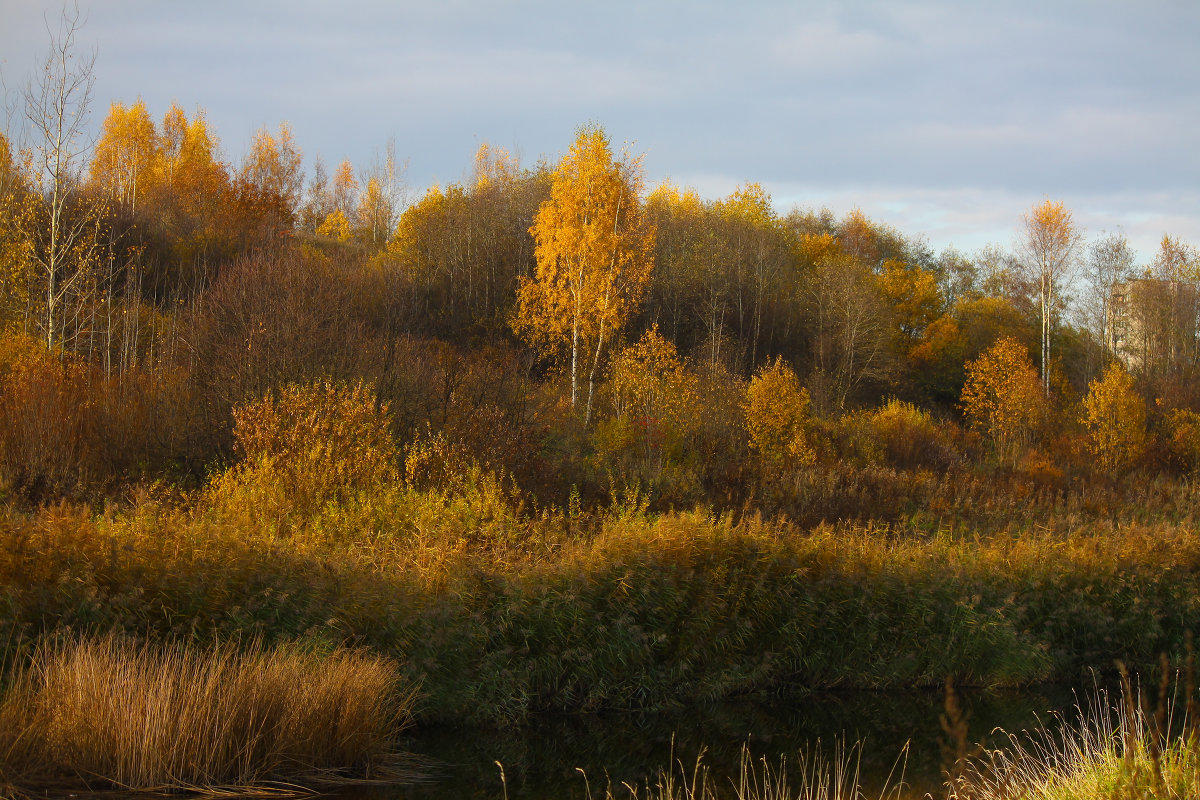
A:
(950, 103)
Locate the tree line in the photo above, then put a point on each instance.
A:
(561, 323)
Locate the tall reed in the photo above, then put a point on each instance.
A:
(112, 712)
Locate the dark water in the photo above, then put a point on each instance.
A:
(549, 756)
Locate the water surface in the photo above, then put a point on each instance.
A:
(562, 756)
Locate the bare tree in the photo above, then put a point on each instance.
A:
(57, 102)
(851, 331)
(1109, 261)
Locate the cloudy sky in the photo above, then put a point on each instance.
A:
(945, 119)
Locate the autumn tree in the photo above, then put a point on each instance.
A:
(754, 249)
(960, 335)
(654, 403)
(851, 326)
(374, 213)
(193, 202)
(270, 180)
(503, 200)
(463, 248)
(335, 226)
(915, 300)
(318, 198)
(378, 206)
(681, 246)
(16, 204)
(594, 257)
(777, 414)
(345, 189)
(1049, 246)
(124, 154)
(1002, 397)
(1115, 417)
(122, 172)
(957, 275)
(1176, 260)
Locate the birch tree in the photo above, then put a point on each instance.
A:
(63, 237)
(594, 254)
(1049, 247)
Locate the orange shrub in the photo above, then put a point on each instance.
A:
(68, 430)
(1182, 433)
(309, 445)
(778, 415)
(899, 435)
(1003, 397)
(1115, 417)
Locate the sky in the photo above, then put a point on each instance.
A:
(946, 119)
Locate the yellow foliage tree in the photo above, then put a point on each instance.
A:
(373, 213)
(186, 163)
(410, 241)
(777, 412)
(1050, 247)
(271, 178)
(345, 188)
(1003, 398)
(1115, 417)
(654, 401)
(16, 207)
(594, 252)
(914, 296)
(125, 154)
(335, 226)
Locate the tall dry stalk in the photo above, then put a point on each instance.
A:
(152, 716)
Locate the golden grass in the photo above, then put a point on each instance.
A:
(111, 712)
(1114, 753)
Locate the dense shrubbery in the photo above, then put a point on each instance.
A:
(495, 612)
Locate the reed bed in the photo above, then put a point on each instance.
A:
(109, 712)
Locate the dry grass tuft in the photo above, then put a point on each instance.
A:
(111, 712)
(1118, 752)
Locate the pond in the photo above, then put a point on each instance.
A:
(561, 757)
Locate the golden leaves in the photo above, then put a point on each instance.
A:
(125, 153)
(594, 251)
(271, 174)
(777, 417)
(1115, 417)
(1002, 397)
(335, 226)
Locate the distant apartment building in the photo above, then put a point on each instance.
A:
(1154, 324)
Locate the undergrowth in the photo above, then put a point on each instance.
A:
(497, 610)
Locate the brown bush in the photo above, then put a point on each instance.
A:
(70, 431)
